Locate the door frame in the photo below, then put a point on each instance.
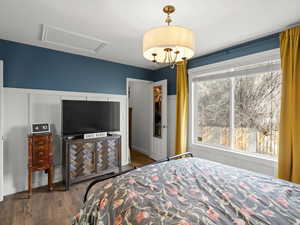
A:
(164, 84)
(1, 134)
(127, 111)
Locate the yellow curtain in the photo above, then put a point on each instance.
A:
(289, 144)
(181, 107)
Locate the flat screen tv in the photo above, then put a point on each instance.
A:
(80, 117)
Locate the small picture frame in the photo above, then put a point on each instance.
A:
(38, 128)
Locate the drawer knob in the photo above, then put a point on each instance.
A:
(41, 161)
(41, 153)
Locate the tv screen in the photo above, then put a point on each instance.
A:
(79, 117)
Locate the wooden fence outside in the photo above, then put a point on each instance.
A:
(246, 139)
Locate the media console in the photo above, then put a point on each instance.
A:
(85, 159)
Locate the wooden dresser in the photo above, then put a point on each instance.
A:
(40, 157)
(85, 159)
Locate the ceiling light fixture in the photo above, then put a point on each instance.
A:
(168, 44)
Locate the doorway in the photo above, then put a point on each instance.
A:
(147, 120)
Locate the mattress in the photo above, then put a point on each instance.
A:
(191, 191)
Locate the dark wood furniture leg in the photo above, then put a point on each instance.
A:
(50, 178)
(29, 182)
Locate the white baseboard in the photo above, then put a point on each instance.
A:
(38, 179)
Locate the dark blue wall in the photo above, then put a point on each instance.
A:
(27, 66)
(259, 45)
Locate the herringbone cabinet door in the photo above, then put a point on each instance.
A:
(83, 160)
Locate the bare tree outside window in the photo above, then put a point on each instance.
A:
(256, 112)
(213, 111)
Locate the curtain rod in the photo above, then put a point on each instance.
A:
(290, 26)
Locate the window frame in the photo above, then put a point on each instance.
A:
(208, 72)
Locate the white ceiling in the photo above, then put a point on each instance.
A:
(121, 23)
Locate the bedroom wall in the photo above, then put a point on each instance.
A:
(33, 67)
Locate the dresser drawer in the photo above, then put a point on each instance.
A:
(40, 158)
(40, 143)
(40, 152)
(40, 163)
(41, 155)
(43, 148)
(40, 140)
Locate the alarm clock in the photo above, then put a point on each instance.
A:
(37, 128)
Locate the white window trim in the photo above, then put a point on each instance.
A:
(203, 71)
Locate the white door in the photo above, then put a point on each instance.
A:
(1, 131)
(159, 137)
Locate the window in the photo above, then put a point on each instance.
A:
(213, 120)
(238, 108)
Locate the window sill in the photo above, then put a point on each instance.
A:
(266, 160)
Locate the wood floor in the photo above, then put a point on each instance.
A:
(49, 208)
(44, 208)
(138, 159)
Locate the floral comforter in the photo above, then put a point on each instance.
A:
(192, 191)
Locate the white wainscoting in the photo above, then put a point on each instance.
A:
(1, 132)
(256, 164)
(25, 106)
(171, 124)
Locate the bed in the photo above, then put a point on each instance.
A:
(191, 191)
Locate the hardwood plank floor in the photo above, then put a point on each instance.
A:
(138, 159)
(50, 208)
(43, 208)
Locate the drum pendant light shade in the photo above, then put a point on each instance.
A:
(168, 44)
(176, 38)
